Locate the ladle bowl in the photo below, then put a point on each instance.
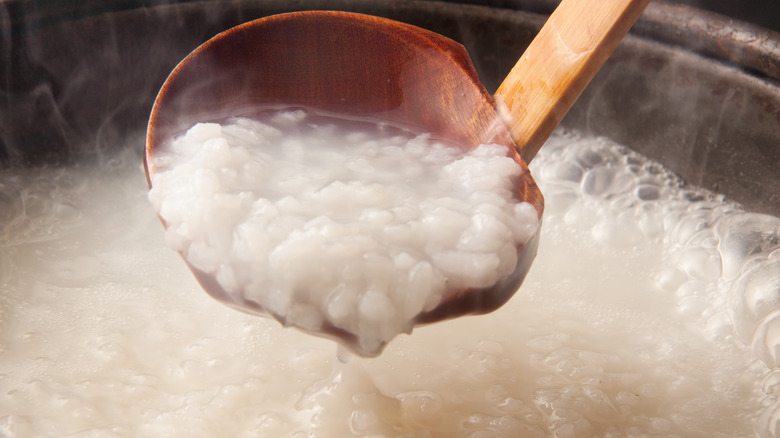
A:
(364, 66)
(386, 70)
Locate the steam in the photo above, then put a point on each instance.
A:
(82, 90)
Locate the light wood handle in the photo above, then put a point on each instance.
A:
(561, 60)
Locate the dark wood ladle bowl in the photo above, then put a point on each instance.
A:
(356, 65)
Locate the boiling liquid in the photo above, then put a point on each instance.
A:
(649, 311)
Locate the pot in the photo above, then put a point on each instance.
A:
(696, 91)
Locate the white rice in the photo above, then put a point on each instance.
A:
(329, 227)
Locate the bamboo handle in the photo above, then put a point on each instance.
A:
(561, 60)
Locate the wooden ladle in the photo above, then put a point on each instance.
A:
(364, 65)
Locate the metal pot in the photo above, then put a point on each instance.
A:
(693, 90)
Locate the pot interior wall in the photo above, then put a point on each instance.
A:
(80, 90)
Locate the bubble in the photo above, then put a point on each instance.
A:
(688, 225)
(692, 305)
(753, 296)
(647, 192)
(559, 198)
(624, 202)
(768, 423)
(599, 181)
(718, 327)
(589, 158)
(562, 171)
(701, 263)
(692, 289)
(650, 221)
(771, 382)
(671, 278)
(744, 235)
(766, 340)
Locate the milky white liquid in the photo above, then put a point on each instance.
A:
(650, 311)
